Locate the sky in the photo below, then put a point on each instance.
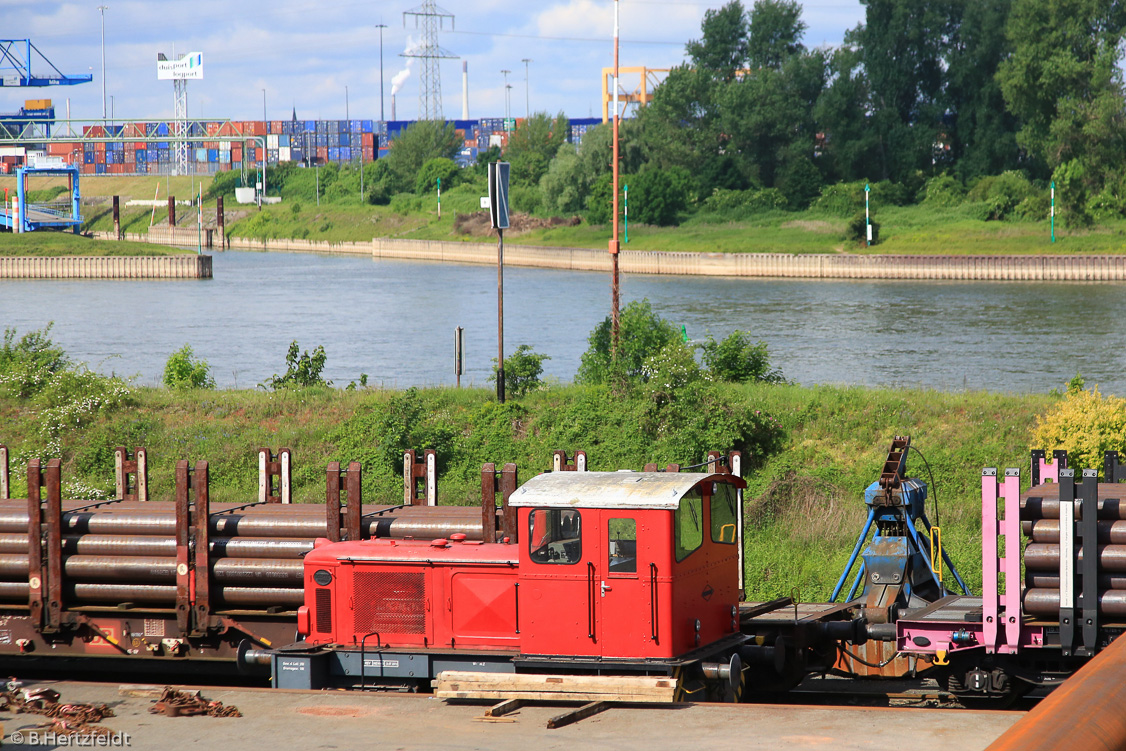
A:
(323, 57)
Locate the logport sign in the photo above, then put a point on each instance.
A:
(187, 68)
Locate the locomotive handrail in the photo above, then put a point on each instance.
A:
(517, 585)
(590, 599)
(653, 602)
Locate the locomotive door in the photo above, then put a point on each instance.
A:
(622, 587)
(558, 598)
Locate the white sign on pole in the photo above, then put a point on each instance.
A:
(187, 68)
(498, 194)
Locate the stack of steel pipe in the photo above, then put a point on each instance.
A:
(1040, 522)
(125, 551)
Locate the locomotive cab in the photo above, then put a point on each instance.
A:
(627, 565)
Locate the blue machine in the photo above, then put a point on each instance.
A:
(902, 564)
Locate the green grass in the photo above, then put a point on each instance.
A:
(68, 244)
(805, 497)
(917, 229)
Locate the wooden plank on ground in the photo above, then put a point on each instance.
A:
(554, 696)
(575, 715)
(509, 705)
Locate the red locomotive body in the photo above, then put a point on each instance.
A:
(638, 568)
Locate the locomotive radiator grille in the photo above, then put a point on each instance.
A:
(390, 602)
(324, 611)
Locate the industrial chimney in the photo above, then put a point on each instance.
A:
(464, 90)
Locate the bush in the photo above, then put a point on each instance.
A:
(800, 181)
(1071, 193)
(1002, 193)
(643, 333)
(1085, 424)
(745, 202)
(943, 191)
(526, 199)
(1037, 207)
(302, 369)
(426, 182)
(522, 371)
(842, 199)
(183, 371)
(739, 360)
(658, 196)
(857, 229)
(405, 203)
(26, 365)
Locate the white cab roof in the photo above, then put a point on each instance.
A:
(631, 490)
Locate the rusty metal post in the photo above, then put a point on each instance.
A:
(54, 519)
(183, 553)
(560, 463)
(420, 478)
(353, 486)
(171, 211)
(117, 217)
(221, 222)
(508, 483)
(332, 501)
(132, 474)
(201, 485)
(5, 492)
(35, 543)
(271, 465)
(489, 502)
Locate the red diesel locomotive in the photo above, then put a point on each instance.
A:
(614, 572)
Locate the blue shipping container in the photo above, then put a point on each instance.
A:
(99, 169)
(213, 155)
(366, 126)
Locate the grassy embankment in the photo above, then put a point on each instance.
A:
(804, 504)
(914, 229)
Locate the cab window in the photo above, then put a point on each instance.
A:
(622, 546)
(555, 536)
(688, 524)
(724, 513)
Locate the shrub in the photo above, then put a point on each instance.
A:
(658, 196)
(26, 365)
(522, 371)
(184, 371)
(302, 369)
(857, 229)
(943, 191)
(1071, 193)
(405, 203)
(643, 333)
(737, 359)
(1002, 193)
(1085, 424)
(525, 198)
(842, 199)
(745, 202)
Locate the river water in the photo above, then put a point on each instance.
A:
(395, 320)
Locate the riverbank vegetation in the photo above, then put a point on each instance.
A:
(70, 244)
(810, 452)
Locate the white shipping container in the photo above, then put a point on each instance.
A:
(271, 142)
(224, 146)
(12, 150)
(283, 156)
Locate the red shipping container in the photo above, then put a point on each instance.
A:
(276, 127)
(212, 129)
(100, 157)
(368, 139)
(322, 153)
(100, 148)
(87, 169)
(4, 171)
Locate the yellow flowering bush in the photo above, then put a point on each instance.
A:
(1085, 424)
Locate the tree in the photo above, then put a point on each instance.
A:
(302, 369)
(434, 170)
(737, 359)
(902, 46)
(413, 147)
(723, 49)
(642, 333)
(522, 371)
(533, 145)
(849, 146)
(775, 34)
(982, 134)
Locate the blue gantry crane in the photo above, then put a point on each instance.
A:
(15, 67)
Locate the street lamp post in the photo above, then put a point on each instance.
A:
(264, 106)
(506, 87)
(381, 27)
(103, 9)
(527, 99)
(615, 245)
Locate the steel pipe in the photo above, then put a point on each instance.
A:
(1049, 507)
(421, 527)
(1085, 712)
(1042, 556)
(1037, 580)
(160, 594)
(1048, 530)
(1046, 602)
